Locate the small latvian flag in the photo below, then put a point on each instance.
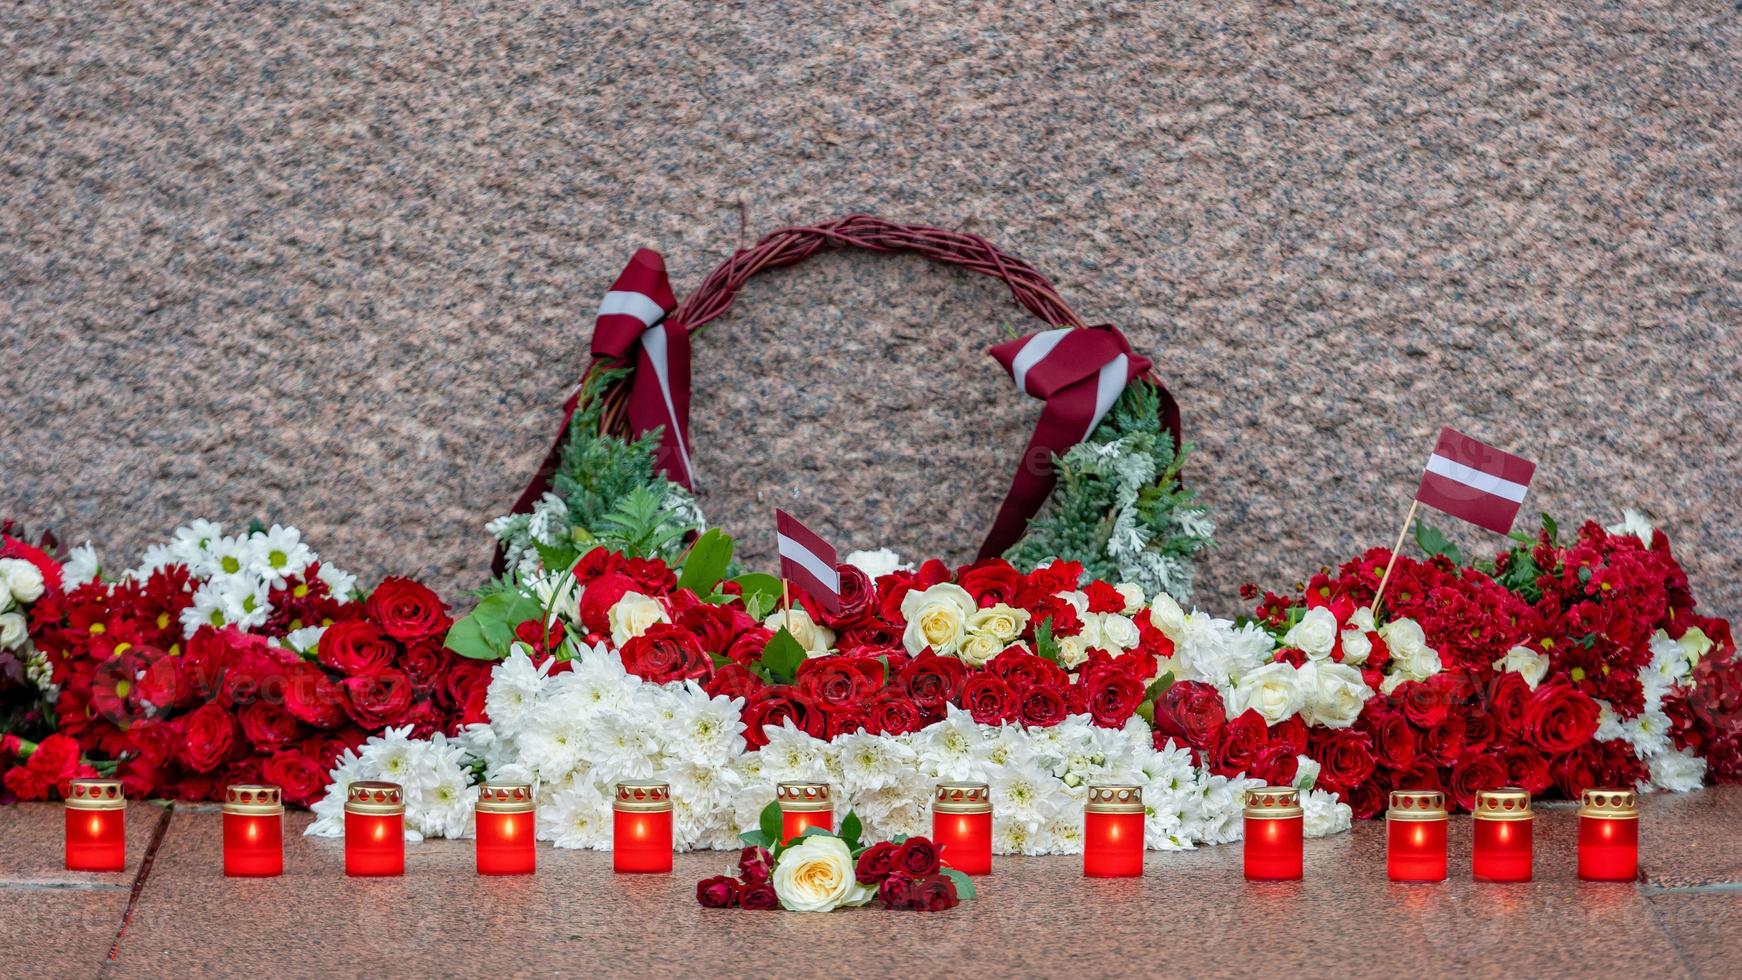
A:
(1474, 481)
(807, 561)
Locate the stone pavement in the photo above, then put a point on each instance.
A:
(172, 913)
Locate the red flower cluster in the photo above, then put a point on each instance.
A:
(751, 889)
(874, 684)
(909, 876)
(185, 719)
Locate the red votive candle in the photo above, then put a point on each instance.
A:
(1113, 832)
(961, 826)
(1608, 835)
(253, 831)
(802, 806)
(374, 830)
(641, 828)
(1275, 826)
(1503, 835)
(1415, 835)
(506, 834)
(96, 823)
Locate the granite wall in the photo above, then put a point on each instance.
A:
(334, 263)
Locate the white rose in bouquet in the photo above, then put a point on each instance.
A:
(21, 578)
(13, 631)
(1315, 635)
(1410, 654)
(815, 639)
(979, 649)
(633, 615)
(816, 875)
(1273, 690)
(1525, 662)
(936, 618)
(1002, 621)
(1335, 693)
(876, 564)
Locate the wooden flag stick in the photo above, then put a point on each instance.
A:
(1407, 521)
(786, 602)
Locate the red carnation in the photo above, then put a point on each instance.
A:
(1558, 719)
(356, 648)
(599, 596)
(665, 653)
(52, 767)
(1104, 598)
(407, 610)
(380, 699)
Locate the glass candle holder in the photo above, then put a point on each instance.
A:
(96, 825)
(1113, 832)
(374, 830)
(506, 831)
(1274, 828)
(253, 831)
(1415, 835)
(802, 806)
(1608, 835)
(1502, 848)
(961, 826)
(641, 828)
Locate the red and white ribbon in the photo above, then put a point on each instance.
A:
(1080, 374)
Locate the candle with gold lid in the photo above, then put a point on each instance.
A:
(1503, 838)
(1274, 828)
(505, 830)
(961, 826)
(641, 828)
(1415, 831)
(374, 829)
(802, 806)
(96, 825)
(1113, 832)
(1609, 835)
(253, 831)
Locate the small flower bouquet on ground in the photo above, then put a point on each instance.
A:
(822, 870)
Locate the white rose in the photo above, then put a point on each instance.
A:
(1336, 693)
(1362, 619)
(1073, 651)
(877, 563)
(1133, 596)
(979, 648)
(816, 875)
(1002, 621)
(633, 615)
(936, 618)
(1356, 647)
(1167, 616)
(815, 638)
(22, 578)
(1410, 654)
(1526, 663)
(1315, 634)
(1273, 690)
(12, 631)
(1117, 633)
(1077, 599)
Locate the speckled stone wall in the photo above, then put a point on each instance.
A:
(335, 263)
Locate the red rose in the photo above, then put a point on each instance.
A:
(776, 705)
(165, 685)
(1241, 740)
(718, 892)
(747, 648)
(356, 648)
(759, 897)
(650, 575)
(1113, 696)
(896, 893)
(665, 653)
(1422, 775)
(1192, 712)
(460, 677)
(857, 593)
(1472, 773)
(1022, 670)
(300, 777)
(268, 726)
(1577, 770)
(716, 627)
(990, 582)
(1558, 719)
(917, 857)
(1290, 733)
(934, 893)
(379, 700)
(1062, 615)
(1345, 757)
(1444, 743)
(1393, 738)
(733, 681)
(839, 681)
(407, 610)
(843, 721)
(933, 681)
(1425, 705)
(989, 700)
(1506, 702)
(1365, 800)
(1276, 765)
(1526, 769)
(426, 664)
(755, 865)
(893, 713)
(875, 863)
(208, 733)
(872, 634)
(1040, 707)
(599, 596)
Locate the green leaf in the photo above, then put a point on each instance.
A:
(1553, 529)
(782, 656)
(761, 593)
(769, 823)
(706, 561)
(756, 838)
(1433, 542)
(851, 828)
(964, 884)
(1158, 687)
(488, 630)
(556, 557)
(1044, 644)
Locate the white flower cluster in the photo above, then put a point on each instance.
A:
(439, 800)
(233, 575)
(1672, 666)
(20, 585)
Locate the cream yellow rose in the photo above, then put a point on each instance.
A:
(633, 615)
(936, 618)
(815, 638)
(978, 649)
(1002, 621)
(816, 875)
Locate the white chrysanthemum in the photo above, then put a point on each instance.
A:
(392, 756)
(707, 730)
(948, 747)
(192, 546)
(340, 583)
(1678, 771)
(877, 563)
(1634, 523)
(620, 748)
(81, 567)
(577, 817)
(1669, 660)
(553, 739)
(874, 762)
(513, 695)
(1324, 813)
(792, 755)
(1648, 733)
(278, 555)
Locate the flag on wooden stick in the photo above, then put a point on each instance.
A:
(1472, 480)
(807, 561)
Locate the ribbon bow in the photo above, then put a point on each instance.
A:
(633, 322)
(1079, 373)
